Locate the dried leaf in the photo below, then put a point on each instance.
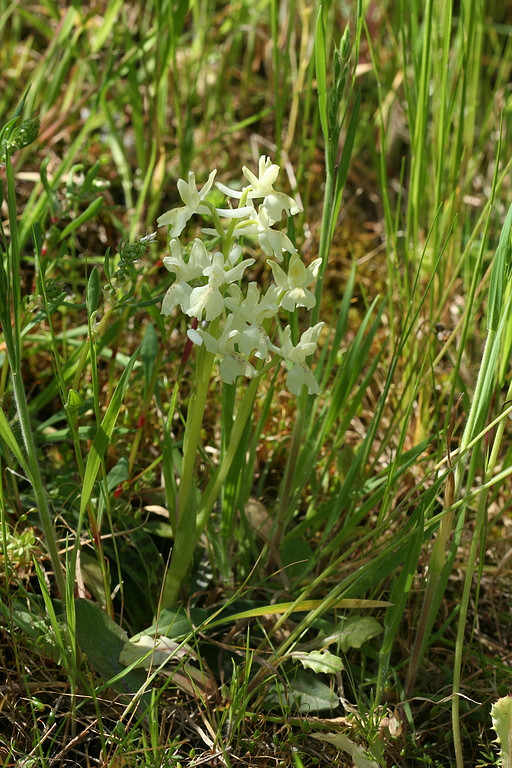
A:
(340, 741)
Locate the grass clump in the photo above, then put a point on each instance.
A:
(255, 450)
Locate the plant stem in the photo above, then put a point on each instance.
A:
(185, 538)
(287, 485)
(213, 488)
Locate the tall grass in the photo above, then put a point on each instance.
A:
(282, 553)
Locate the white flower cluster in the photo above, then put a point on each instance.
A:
(207, 285)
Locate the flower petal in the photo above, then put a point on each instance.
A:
(177, 295)
(236, 213)
(236, 193)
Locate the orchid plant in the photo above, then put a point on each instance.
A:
(234, 323)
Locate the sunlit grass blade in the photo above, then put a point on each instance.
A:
(104, 433)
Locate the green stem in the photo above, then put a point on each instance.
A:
(195, 413)
(286, 487)
(325, 235)
(213, 488)
(185, 538)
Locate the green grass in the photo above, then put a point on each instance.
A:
(316, 574)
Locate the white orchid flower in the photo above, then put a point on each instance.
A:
(232, 363)
(209, 287)
(277, 202)
(191, 269)
(253, 340)
(294, 285)
(254, 308)
(208, 298)
(236, 213)
(249, 314)
(262, 186)
(272, 241)
(185, 271)
(193, 199)
(299, 374)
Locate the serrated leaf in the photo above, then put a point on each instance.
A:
(501, 714)
(320, 661)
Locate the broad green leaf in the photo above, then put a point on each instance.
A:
(175, 623)
(118, 474)
(90, 570)
(295, 554)
(357, 630)
(148, 651)
(102, 640)
(304, 693)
